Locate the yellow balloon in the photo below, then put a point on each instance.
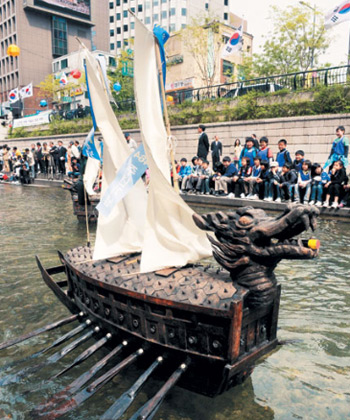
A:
(13, 50)
(169, 98)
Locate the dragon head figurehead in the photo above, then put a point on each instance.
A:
(249, 244)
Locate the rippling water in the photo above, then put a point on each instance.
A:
(306, 378)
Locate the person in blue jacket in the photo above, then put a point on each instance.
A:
(340, 148)
(248, 151)
(184, 173)
(283, 156)
(223, 180)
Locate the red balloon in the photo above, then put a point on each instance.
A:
(76, 74)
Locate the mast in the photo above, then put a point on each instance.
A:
(166, 115)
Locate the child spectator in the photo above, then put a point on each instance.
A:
(304, 183)
(333, 187)
(261, 186)
(265, 153)
(203, 181)
(283, 155)
(244, 173)
(340, 148)
(223, 180)
(298, 161)
(248, 151)
(193, 178)
(250, 181)
(274, 180)
(346, 197)
(289, 179)
(184, 172)
(75, 172)
(237, 150)
(319, 179)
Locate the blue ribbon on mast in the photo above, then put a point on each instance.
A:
(89, 147)
(130, 172)
(162, 36)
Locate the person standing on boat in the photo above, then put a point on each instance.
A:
(203, 143)
(340, 148)
(130, 142)
(216, 152)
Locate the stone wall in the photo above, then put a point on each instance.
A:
(313, 134)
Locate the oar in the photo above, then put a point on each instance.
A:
(84, 355)
(148, 410)
(72, 388)
(41, 330)
(116, 410)
(60, 340)
(91, 389)
(52, 359)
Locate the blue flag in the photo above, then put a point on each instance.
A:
(131, 171)
(162, 36)
(89, 147)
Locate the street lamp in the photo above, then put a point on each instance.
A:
(303, 3)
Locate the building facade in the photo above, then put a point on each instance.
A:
(172, 15)
(184, 73)
(45, 30)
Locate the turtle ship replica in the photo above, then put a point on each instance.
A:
(143, 290)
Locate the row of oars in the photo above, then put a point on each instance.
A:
(74, 394)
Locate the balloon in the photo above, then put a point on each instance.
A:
(170, 98)
(117, 87)
(43, 103)
(76, 74)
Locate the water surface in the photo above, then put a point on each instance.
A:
(306, 378)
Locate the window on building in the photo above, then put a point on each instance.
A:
(147, 5)
(125, 13)
(147, 20)
(111, 46)
(164, 1)
(225, 2)
(125, 28)
(64, 64)
(111, 32)
(139, 8)
(206, 6)
(117, 3)
(133, 9)
(172, 27)
(119, 31)
(112, 62)
(164, 14)
(59, 36)
(183, 12)
(155, 17)
(183, 26)
(225, 16)
(228, 68)
(132, 25)
(56, 67)
(119, 44)
(155, 2)
(172, 11)
(118, 16)
(125, 43)
(111, 19)
(111, 5)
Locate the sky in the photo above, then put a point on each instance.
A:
(257, 11)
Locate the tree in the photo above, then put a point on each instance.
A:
(123, 75)
(293, 43)
(203, 42)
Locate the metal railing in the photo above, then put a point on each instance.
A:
(299, 81)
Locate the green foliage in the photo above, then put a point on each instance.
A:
(292, 42)
(117, 76)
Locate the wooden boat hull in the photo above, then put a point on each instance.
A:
(223, 344)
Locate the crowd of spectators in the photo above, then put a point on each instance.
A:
(45, 158)
(255, 173)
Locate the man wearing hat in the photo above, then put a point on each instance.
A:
(130, 142)
(203, 143)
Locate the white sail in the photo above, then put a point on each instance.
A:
(171, 238)
(122, 231)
